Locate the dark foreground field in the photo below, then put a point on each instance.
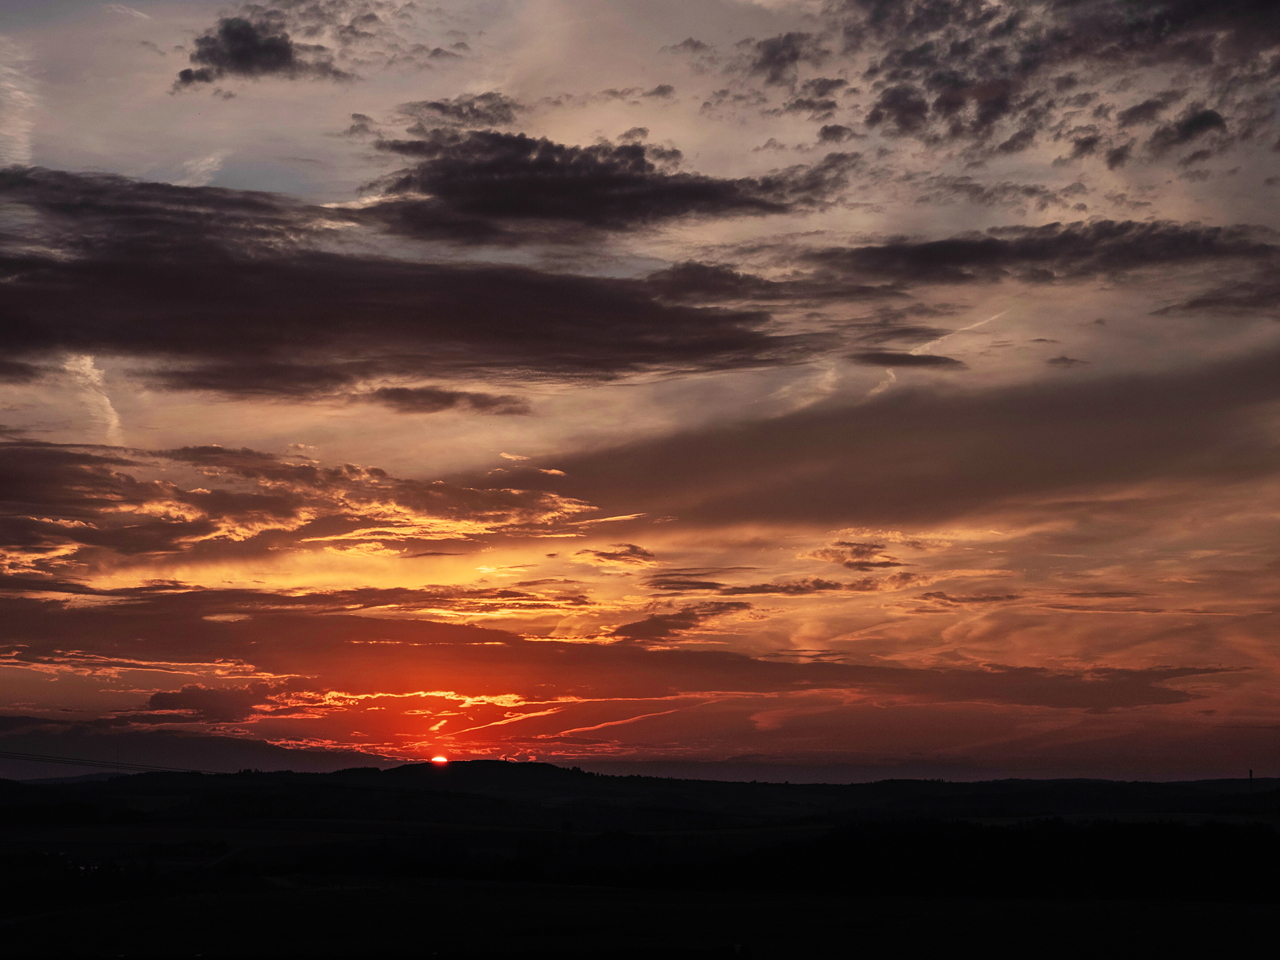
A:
(522, 860)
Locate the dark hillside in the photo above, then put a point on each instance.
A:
(497, 857)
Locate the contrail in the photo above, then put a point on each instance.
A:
(891, 378)
(17, 103)
(93, 391)
(973, 326)
(883, 385)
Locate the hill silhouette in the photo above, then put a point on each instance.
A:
(489, 858)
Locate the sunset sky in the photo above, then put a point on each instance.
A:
(874, 385)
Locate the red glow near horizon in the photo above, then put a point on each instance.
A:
(439, 761)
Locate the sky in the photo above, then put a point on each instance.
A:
(882, 387)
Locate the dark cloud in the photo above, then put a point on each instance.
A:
(256, 48)
(690, 45)
(817, 108)
(899, 325)
(1065, 362)
(501, 176)
(1119, 156)
(665, 626)
(694, 581)
(902, 107)
(14, 371)
(822, 86)
(915, 457)
(1067, 250)
(624, 553)
(791, 588)
(856, 556)
(497, 175)
(712, 282)
(662, 91)
(1085, 146)
(943, 189)
(435, 399)
(266, 312)
(685, 579)
(963, 601)
(981, 75)
(885, 358)
(834, 133)
(777, 58)
(237, 378)
(213, 704)
(490, 109)
(1020, 141)
(1192, 125)
(1144, 112)
(1256, 296)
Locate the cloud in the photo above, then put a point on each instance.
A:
(490, 109)
(920, 456)
(885, 358)
(435, 399)
(817, 108)
(690, 45)
(490, 176)
(626, 554)
(121, 258)
(14, 371)
(1073, 250)
(790, 588)
(944, 189)
(1085, 146)
(240, 47)
(945, 599)
(665, 626)
(1193, 124)
(991, 78)
(339, 660)
(856, 556)
(69, 506)
(834, 133)
(902, 107)
(1144, 112)
(1255, 296)
(777, 59)
(212, 704)
(1119, 156)
(822, 86)
(694, 581)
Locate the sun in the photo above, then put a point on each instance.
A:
(439, 761)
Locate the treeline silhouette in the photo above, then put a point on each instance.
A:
(668, 865)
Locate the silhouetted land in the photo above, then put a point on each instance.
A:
(485, 858)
